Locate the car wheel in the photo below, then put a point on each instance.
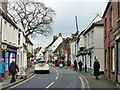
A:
(34, 72)
(48, 71)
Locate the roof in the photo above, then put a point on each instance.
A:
(106, 8)
(98, 23)
(28, 41)
(51, 43)
(7, 18)
(96, 19)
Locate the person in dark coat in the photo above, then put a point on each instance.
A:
(96, 67)
(80, 65)
(12, 69)
(75, 65)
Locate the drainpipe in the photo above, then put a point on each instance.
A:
(0, 53)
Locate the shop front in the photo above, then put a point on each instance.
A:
(8, 54)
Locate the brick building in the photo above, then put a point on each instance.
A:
(110, 17)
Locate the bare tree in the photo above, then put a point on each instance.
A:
(34, 17)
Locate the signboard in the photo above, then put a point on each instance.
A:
(4, 47)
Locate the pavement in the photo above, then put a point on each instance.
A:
(102, 82)
(6, 82)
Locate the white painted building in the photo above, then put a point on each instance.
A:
(9, 32)
(22, 50)
(94, 43)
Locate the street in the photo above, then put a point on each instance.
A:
(57, 78)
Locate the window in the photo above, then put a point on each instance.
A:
(105, 59)
(112, 59)
(88, 40)
(85, 41)
(92, 37)
(111, 17)
(105, 26)
(19, 39)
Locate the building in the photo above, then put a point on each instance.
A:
(111, 40)
(29, 45)
(94, 44)
(9, 39)
(22, 50)
(52, 47)
(73, 47)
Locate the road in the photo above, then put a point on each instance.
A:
(57, 78)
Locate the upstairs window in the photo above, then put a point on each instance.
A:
(111, 18)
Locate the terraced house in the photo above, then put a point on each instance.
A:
(9, 39)
(111, 18)
(94, 44)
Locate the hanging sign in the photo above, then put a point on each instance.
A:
(4, 47)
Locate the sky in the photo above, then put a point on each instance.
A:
(64, 21)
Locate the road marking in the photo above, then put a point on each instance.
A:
(50, 85)
(83, 86)
(88, 85)
(56, 77)
(23, 81)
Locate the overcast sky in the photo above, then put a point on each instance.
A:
(64, 21)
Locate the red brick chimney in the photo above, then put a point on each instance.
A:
(54, 37)
(60, 34)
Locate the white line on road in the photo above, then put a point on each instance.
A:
(56, 77)
(50, 85)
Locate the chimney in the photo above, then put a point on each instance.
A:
(3, 4)
(60, 34)
(54, 37)
(63, 39)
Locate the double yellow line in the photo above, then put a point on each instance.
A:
(23, 81)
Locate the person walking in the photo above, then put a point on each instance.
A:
(3, 67)
(96, 67)
(80, 65)
(12, 69)
(75, 65)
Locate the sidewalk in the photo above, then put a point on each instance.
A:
(6, 81)
(102, 82)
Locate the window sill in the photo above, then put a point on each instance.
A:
(113, 72)
(110, 29)
(105, 69)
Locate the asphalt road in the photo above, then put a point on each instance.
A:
(57, 78)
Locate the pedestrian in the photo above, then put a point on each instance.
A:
(12, 69)
(75, 65)
(3, 67)
(80, 65)
(96, 67)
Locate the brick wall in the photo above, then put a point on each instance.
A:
(109, 38)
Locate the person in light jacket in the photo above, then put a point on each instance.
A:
(3, 65)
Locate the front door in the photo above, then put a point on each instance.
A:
(118, 57)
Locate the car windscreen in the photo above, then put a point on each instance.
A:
(42, 63)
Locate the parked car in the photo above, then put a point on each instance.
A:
(41, 66)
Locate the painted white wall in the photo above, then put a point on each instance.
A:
(97, 46)
(9, 33)
(56, 43)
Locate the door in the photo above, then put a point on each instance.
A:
(118, 57)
